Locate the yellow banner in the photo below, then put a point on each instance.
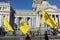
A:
(7, 25)
(48, 19)
(24, 27)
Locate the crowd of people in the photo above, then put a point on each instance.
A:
(28, 35)
(2, 32)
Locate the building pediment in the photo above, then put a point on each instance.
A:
(50, 9)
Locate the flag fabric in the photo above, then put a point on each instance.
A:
(48, 19)
(23, 26)
(7, 25)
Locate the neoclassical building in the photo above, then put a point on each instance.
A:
(32, 17)
(6, 10)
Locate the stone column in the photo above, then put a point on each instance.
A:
(37, 21)
(16, 24)
(29, 22)
(7, 16)
(17, 21)
(59, 21)
(34, 23)
(24, 18)
(1, 20)
(56, 20)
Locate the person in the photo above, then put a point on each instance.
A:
(0, 31)
(54, 32)
(28, 37)
(31, 33)
(46, 36)
(15, 28)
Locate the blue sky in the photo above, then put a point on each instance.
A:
(55, 2)
(22, 4)
(27, 4)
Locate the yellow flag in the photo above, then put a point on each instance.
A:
(48, 19)
(24, 27)
(7, 25)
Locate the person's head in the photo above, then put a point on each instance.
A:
(45, 31)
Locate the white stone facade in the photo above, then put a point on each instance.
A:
(4, 11)
(35, 13)
(32, 17)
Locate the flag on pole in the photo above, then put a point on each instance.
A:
(23, 26)
(7, 25)
(48, 19)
